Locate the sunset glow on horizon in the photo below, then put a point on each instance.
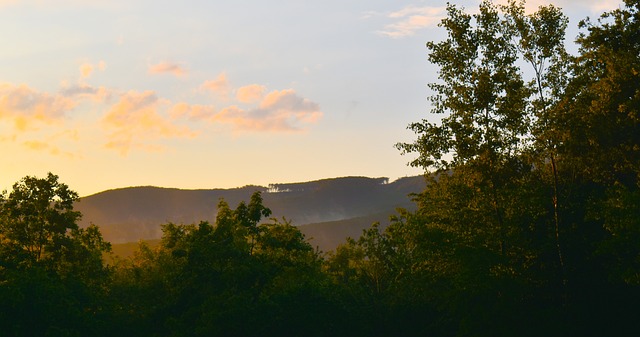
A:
(198, 94)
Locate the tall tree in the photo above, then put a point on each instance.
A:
(547, 167)
(539, 38)
(483, 96)
(607, 92)
(606, 148)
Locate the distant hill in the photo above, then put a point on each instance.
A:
(327, 210)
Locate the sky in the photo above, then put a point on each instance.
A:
(217, 94)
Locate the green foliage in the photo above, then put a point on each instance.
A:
(37, 217)
(482, 93)
(607, 88)
(52, 277)
(533, 209)
(221, 279)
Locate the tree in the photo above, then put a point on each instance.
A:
(539, 38)
(483, 94)
(52, 276)
(249, 216)
(607, 98)
(545, 169)
(37, 219)
(236, 276)
(606, 148)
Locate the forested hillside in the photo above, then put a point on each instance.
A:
(529, 224)
(133, 214)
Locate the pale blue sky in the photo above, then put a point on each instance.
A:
(207, 94)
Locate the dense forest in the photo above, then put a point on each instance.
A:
(529, 224)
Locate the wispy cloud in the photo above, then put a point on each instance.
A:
(86, 92)
(279, 111)
(141, 120)
(27, 107)
(409, 20)
(167, 68)
(47, 147)
(219, 86)
(86, 68)
(192, 112)
(35, 145)
(135, 121)
(594, 6)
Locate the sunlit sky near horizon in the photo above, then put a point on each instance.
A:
(216, 94)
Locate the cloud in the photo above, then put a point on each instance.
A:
(48, 143)
(220, 86)
(411, 19)
(594, 6)
(250, 93)
(86, 69)
(26, 107)
(86, 92)
(408, 20)
(35, 145)
(40, 146)
(278, 111)
(135, 120)
(192, 112)
(167, 68)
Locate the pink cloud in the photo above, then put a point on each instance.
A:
(220, 86)
(276, 111)
(193, 112)
(86, 69)
(135, 121)
(87, 92)
(279, 111)
(250, 93)
(167, 68)
(27, 107)
(411, 19)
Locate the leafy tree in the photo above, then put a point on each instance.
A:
(540, 41)
(483, 94)
(544, 169)
(603, 105)
(37, 220)
(235, 277)
(607, 98)
(52, 276)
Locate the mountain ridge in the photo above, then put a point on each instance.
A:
(136, 213)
